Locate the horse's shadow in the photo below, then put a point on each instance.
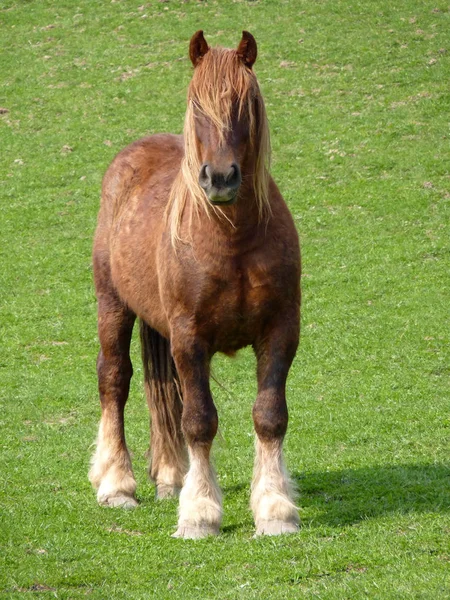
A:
(348, 496)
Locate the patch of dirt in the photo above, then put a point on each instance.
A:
(118, 529)
(287, 64)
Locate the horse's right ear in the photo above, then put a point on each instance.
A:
(197, 48)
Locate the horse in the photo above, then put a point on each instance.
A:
(196, 242)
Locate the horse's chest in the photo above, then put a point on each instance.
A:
(233, 306)
(242, 291)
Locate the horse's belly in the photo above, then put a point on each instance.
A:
(134, 271)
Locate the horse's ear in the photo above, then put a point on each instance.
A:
(247, 50)
(197, 48)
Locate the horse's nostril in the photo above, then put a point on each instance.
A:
(210, 178)
(231, 174)
(233, 177)
(204, 177)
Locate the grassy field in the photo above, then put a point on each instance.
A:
(358, 101)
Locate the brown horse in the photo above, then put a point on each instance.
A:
(194, 238)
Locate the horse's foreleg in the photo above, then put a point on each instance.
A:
(272, 497)
(200, 508)
(111, 472)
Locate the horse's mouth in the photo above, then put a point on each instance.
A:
(222, 196)
(218, 202)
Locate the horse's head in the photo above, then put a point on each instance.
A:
(226, 131)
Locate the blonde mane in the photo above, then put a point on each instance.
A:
(218, 82)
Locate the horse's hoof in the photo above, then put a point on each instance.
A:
(195, 532)
(164, 491)
(121, 501)
(276, 527)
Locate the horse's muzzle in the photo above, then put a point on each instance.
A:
(220, 187)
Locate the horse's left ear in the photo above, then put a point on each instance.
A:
(247, 50)
(198, 47)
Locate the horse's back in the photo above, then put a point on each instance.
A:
(135, 192)
(146, 168)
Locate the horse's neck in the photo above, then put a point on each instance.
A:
(231, 230)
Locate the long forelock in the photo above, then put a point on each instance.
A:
(239, 87)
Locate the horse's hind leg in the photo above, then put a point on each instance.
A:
(169, 462)
(272, 497)
(111, 472)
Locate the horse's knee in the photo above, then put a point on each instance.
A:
(199, 418)
(270, 419)
(199, 425)
(114, 372)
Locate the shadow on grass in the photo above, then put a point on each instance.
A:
(351, 495)
(235, 489)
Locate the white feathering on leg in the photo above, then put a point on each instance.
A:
(200, 509)
(111, 472)
(169, 480)
(272, 497)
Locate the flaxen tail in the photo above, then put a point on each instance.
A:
(168, 453)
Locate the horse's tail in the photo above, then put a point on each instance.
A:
(162, 387)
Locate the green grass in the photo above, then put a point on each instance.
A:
(357, 97)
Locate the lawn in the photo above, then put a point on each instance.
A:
(358, 102)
